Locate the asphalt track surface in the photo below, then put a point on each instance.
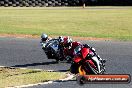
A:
(27, 53)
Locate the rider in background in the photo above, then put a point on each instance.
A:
(44, 39)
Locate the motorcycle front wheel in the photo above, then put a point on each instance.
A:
(89, 69)
(81, 80)
(74, 68)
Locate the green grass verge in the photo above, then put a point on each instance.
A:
(15, 77)
(90, 22)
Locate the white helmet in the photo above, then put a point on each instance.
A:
(44, 37)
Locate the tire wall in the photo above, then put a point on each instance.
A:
(53, 3)
(39, 3)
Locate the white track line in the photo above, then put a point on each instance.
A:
(49, 82)
(69, 76)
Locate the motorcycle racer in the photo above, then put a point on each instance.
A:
(44, 39)
(92, 52)
(69, 47)
(87, 55)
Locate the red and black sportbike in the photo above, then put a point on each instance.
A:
(87, 62)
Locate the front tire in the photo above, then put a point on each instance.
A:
(81, 80)
(88, 69)
(74, 68)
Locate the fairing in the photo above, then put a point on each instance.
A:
(85, 52)
(77, 59)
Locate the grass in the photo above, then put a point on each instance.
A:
(90, 22)
(15, 77)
